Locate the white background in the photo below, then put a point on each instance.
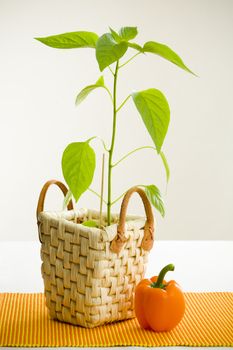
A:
(38, 86)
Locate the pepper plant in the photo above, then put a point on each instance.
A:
(78, 160)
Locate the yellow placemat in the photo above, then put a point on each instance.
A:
(24, 321)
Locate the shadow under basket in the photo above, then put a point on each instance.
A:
(89, 273)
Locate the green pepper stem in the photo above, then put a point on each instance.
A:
(159, 282)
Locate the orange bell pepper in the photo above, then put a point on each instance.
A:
(159, 305)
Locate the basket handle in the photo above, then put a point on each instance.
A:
(148, 239)
(40, 205)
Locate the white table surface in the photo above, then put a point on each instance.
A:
(199, 266)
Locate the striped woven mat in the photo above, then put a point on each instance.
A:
(24, 321)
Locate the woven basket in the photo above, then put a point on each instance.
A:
(89, 273)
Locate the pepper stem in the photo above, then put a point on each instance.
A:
(159, 282)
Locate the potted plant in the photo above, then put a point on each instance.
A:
(78, 166)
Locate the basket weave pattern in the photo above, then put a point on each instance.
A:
(86, 282)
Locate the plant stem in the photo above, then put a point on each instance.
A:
(102, 190)
(99, 138)
(108, 91)
(110, 70)
(118, 198)
(103, 143)
(112, 146)
(159, 282)
(138, 53)
(123, 103)
(128, 154)
(97, 194)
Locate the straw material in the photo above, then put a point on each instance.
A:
(86, 283)
(24, 321)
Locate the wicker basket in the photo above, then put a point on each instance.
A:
(90, 274)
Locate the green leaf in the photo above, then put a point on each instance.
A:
(90, 223)
(166, 166)
(70, 40)
(109, 51)
(155, 198)
(125, 34)
(100, 81)
(165, 52)
(154, 110)
(67, 199)
(78, 166)
(136, 47)
(86, 91)
(115, 35)
(128, 33)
